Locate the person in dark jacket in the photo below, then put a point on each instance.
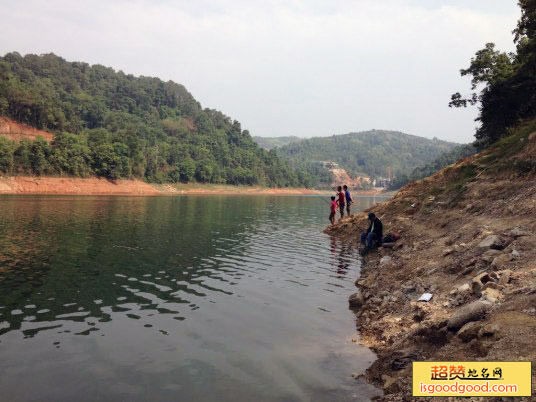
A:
(373, 236)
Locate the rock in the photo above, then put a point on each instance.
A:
(490, 255)
(390, 384)
(490, 285)
(384, 260)
(515, 253)
(505, 277)
(488, 330)
(447, 251)
(471, 262)
(478, 282)
(469, 331)
(409, 288)
(501, 260)
(471, 312)
(492, 242)
(465, 288)
(491, 295)
(479, 348)
(517, 232)
(356, 299)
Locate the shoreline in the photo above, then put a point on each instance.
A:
(36, 185)
(476, 256)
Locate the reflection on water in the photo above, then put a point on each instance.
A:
(183, 298)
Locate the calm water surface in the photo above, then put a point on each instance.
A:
(180, 298)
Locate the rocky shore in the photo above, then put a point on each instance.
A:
(468, 237)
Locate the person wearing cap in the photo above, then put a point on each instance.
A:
(373, 236)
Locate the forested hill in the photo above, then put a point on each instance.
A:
(373, 153)
(111, 124)
(275, 142)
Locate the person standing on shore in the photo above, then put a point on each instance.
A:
(333, 209)
(349, 199)
(341, 200)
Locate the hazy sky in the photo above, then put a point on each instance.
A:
(294, 67)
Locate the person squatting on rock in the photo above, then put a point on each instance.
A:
(341, 200)
(373, 236)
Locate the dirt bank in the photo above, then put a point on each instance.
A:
(222, 189)
(469, 238)
(60, 185)
(16, 131)
(98, 186)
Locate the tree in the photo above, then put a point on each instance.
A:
(7, 161)
(116, 125)
(508, 80)
(187, 170)
(105, 161)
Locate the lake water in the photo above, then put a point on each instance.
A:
(203, 298)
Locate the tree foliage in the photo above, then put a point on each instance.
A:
(372, 153)
(115, 125)
(445, 159)
(508, 81)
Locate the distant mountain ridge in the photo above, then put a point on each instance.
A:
(376, 153)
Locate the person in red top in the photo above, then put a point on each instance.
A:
(333, 210)
(342, 197)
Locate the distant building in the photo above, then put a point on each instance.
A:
(381, 182)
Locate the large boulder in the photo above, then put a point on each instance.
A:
(471, 312)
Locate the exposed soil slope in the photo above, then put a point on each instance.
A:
(469, 238)
(16, 131)
(60, 185)
(340, 177)
(101, 186)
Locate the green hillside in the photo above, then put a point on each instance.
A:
(374, 153)
(108, 123)
(444, 160)
(275, 142)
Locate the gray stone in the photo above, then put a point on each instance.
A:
(515, 254)
(356, 300)
(501, 260)
(493, 241)
(471, 312)
(516, 232)
(469, 331)
(490, 255)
